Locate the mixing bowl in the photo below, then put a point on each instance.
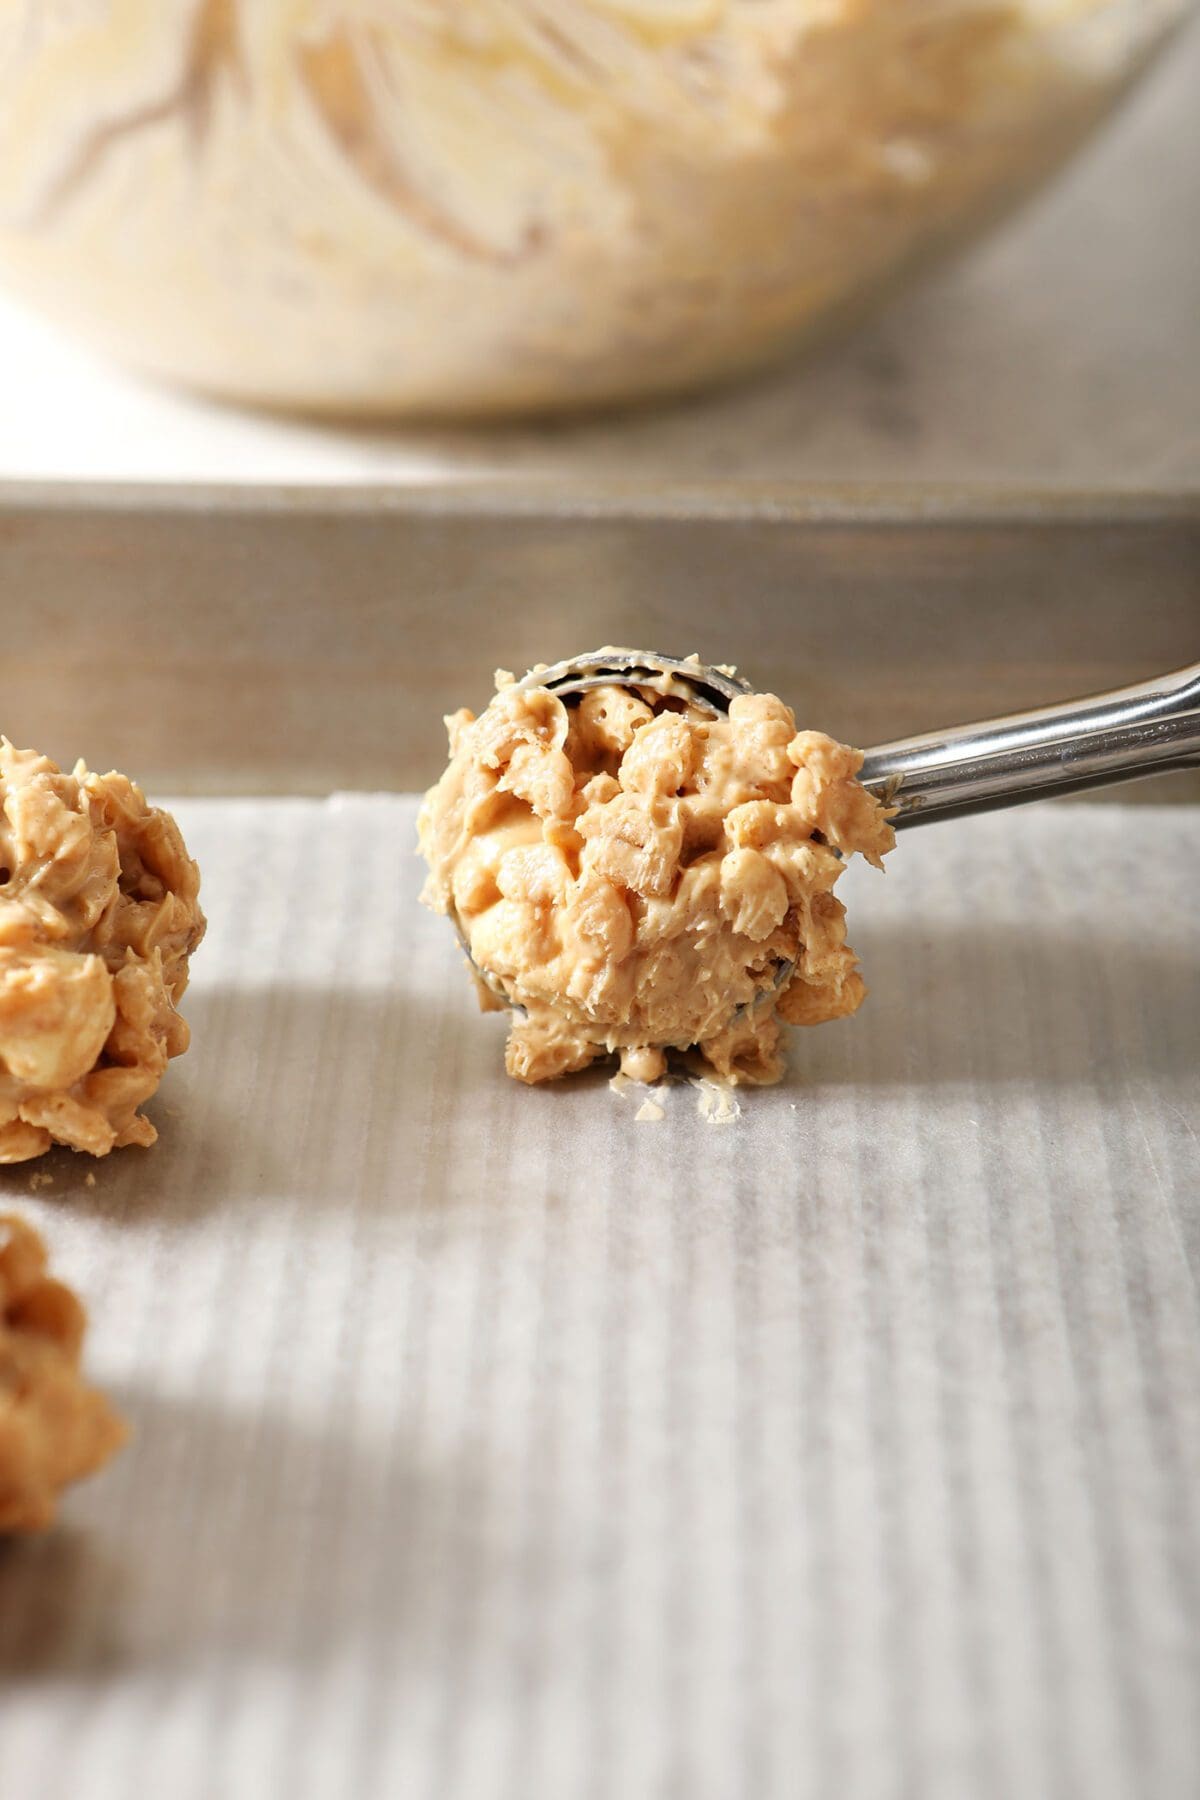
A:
(446, 207)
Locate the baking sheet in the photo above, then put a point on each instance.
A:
(492, 1443)
(284, 640)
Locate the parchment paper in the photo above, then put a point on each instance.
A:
(490, 1442)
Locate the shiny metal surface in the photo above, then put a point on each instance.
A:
(687, 678)
(1149, 728)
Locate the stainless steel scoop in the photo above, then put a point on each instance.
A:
(1145, 729)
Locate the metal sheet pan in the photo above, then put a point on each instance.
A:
(493, 1442)
(298, 641)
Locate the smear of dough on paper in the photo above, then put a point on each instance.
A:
(716, 1104)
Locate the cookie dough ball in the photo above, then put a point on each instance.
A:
(98, 915)
(633, 875)
(54, 1429)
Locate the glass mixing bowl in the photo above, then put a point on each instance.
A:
(479, 207)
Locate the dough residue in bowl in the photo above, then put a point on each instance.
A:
(633, 875)
(514, 205)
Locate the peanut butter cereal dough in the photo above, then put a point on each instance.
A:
(634, 875)
(54, 1429)
(98, 915)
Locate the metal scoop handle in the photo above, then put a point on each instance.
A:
(1146, 729)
